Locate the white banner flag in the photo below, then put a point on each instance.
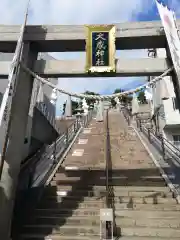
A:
(5, 107)
(171, 31)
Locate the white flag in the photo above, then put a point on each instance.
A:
(171, 31)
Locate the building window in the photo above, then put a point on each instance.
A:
(175, 103)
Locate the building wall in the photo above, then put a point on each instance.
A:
(34, 137)
(172, 115)
(169, 119)
(43, 95)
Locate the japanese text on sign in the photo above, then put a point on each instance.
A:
(100, 48)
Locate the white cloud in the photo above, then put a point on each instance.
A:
(69, 11)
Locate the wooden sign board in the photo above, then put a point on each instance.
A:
(100, 48)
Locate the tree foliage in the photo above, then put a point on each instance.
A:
(74, 107)
(122, 99)
(76, 104)
(90, 101)
(141, 97)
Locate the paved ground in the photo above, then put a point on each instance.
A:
(127, 151)
(88, 150)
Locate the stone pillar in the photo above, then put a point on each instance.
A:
(14, 152)
(30, 118)
(100, 110)
(68, 110)
(85, 106)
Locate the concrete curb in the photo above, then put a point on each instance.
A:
(164, 175)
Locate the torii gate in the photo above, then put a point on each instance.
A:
(135, 35)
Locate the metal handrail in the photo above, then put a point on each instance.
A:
(166, 146)
(107, 156)
(42, 162)
(160, 137)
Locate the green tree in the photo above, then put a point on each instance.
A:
(74, 107)
(122, 99)
(141, 97)
(90, 101)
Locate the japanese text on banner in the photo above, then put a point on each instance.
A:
(100, 49)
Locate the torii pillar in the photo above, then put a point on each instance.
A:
(14, 152)
(68, 109)
(100, 110)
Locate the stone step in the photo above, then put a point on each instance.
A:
(119, 212)
(117, 205)
(147, 222)
(146, 214)
(116, 173)
(102, 192)
(122, 184)
(121, 188)
(89, 230)
(169, 233)
(64, 178)
(66, 212)
(59, 237)
(70, 204)
(123, 222)
(79, 237)
(62, 230)
(153, 182)
(40, 220)
(143, 200)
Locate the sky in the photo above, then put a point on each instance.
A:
(87, 12)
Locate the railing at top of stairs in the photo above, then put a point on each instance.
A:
(33, 171)
(164, 147)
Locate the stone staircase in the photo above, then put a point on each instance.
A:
(143, 205)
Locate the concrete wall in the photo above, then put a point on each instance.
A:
(169, 119)
(39, 130)
(42, 94)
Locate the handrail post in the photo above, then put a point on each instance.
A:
(74, 125)
(140, 125)
(128, 120)
(162, 145)
(54, 153)
(67, 137)
(149, 135)
(107, 159)
(137, 122)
